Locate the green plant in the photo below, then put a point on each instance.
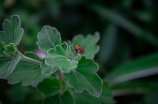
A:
(61, 71)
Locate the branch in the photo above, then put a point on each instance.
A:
(60, 76)
(30, 60)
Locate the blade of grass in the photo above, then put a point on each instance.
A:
(137, 68)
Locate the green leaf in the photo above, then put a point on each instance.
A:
(2, 45)
(27, 73)
(105, 98)
(52, 86)
(7, 50)
(88, 43)
(8, 65)
(59, 58)
(46, 70)
(78, 57)
(10, 49)
(137, 68)
(65, 47)
(40, 79)
(65, 98)
(17, 90)
(48, 38)
(49, 86)
(12, 31)
(85, 77)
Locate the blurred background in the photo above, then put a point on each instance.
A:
(128, 56)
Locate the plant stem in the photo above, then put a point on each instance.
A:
(25, 58)
(60, 76)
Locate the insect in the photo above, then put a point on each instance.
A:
(79, 49)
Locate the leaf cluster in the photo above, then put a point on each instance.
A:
(73, 71)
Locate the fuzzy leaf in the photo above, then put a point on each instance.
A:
(65, 98)
(85, 77)
(8, 65)
(9, 50)
(105, 98)
(89, 44)
(40, 79)
(25, 72)
(59, 58)
(12, 31)
(46, 70)
(48, 38)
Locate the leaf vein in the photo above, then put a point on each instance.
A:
(49, 37)
(87, 81)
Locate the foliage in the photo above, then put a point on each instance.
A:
(48, 38)
(128, 42)
(12, 31)
(59, 58)
(62, 60)
(85, 74)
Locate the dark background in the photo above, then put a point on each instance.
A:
(128, 30)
